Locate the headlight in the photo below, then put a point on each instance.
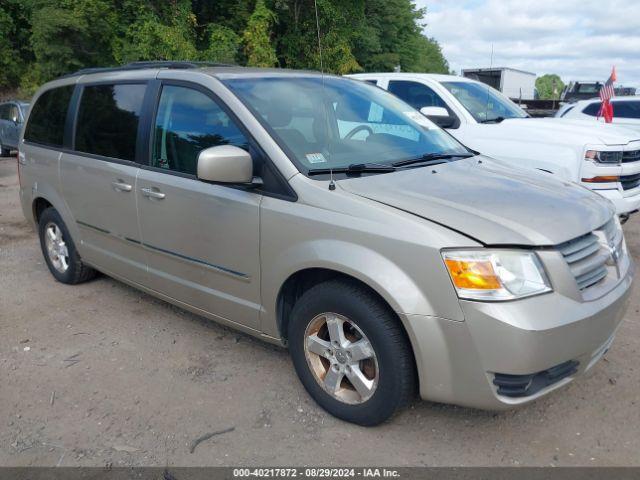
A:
(495, 274)
(603, 157)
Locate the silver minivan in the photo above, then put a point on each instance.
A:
(324, 214)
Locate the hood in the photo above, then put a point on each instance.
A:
(488, 202)
(567, 131)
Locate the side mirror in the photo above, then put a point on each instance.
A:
(225, 164)
(439, 116)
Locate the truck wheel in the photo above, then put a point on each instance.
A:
(351, 353)
(59, 250)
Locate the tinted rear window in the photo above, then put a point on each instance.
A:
(592, 109)
(108, 120)
(627, 109)
(48, 116)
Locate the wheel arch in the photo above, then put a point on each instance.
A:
(39, 205)
(45, 196)
(302, 280)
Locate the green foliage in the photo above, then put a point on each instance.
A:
(223, 44)
(70, 34)
(43, 39)
(163, 32)
(545, 86)
(9, 64)
(257, 37)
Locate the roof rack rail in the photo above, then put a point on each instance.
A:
(150, 64)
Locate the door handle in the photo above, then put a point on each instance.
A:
(151, 193)
(121, 186)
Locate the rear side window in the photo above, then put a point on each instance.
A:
(592, 109)
(626, 109)
(188, 121)
(108, 120)
(48, 116)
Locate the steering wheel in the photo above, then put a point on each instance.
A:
(359, 128)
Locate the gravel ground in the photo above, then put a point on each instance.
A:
(101, 374)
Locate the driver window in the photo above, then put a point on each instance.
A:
(187, 122)
(416, 94)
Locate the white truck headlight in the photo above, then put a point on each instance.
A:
(609, 158)
(494, 275)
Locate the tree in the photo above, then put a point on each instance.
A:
(9, 64)
(224, 44)
(43, 39)
(68, 35)
(15, 48)
(257, 37)
(164, 32)
(546, 84)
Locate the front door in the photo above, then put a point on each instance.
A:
(202, 239)
(99, 178)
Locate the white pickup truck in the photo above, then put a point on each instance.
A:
(604, 158)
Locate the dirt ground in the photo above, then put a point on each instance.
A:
(102, 374)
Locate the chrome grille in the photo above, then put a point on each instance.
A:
(630, 181)
(586, 259)
(589, 255)
(613, 234)
(631, 156)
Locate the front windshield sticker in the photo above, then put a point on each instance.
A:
(316, 158)
(420, 119)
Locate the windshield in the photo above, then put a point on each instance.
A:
(338, 122)
(483, 102)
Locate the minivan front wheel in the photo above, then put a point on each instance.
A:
(59, 251)
(351, 353)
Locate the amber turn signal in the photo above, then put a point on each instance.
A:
(472, 274)
(603, 179)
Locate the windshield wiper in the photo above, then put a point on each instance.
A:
(432, 159)
(492, 120)
(354, 168)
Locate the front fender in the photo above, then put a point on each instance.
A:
(381, 274)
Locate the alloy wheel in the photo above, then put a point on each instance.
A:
(56, 247)
(341, 358)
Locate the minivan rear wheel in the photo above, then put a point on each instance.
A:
(351, 353)
(4, 152)
(59, 251)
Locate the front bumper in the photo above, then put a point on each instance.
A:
(457, 360)
(625, 201)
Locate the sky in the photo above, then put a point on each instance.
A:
(577, 39)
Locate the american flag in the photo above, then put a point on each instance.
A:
(606, 93)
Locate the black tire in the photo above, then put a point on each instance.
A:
(4, 152)
(76, 272)
(396, 367)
